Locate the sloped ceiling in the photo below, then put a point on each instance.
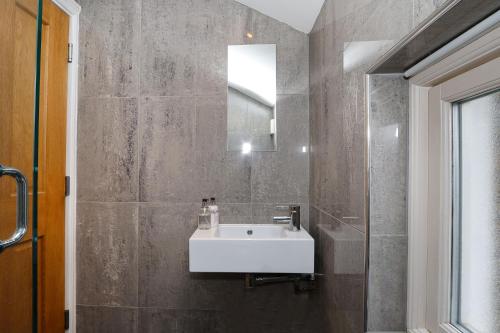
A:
(299, 14)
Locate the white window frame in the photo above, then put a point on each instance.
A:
(429, 276)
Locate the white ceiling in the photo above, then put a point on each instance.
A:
(300, 14)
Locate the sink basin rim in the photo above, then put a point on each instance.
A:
(293, 253)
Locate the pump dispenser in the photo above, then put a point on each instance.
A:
(204, 222)
(214, 213)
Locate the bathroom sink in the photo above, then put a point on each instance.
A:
(251, 248)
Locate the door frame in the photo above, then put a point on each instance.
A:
(470, 56)
(72, 9)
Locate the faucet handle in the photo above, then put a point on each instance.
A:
(295, 216)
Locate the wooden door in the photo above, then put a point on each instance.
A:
(17, 75)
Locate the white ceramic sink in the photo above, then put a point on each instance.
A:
(251, 248)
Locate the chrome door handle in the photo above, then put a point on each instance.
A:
(21, 209)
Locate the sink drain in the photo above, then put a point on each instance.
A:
(249, 232)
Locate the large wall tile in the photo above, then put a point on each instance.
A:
(163, 254)
(374, 15)
(292, 122)
(223, 174)
(280, 176)
(168, 65)
(235, 213)
(270, 302)
(163, 16)
(157, 320)
(211, 60)
(107, 149)
(200, 321)
(211, 123)
(164, 278)
(167, 159)
(315, 156)
(99, 319)
(168, 48)
(387, 283)
(264, 29)
(109, 51)
(179, 321)
(107, 254)
(292, 72)
(389, 105)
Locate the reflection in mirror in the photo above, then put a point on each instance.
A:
(251, 98)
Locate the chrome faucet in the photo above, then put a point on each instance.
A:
(293, 219)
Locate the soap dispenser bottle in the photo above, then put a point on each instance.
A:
(214, 213)
(204, 216)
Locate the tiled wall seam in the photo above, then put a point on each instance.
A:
(337, 219)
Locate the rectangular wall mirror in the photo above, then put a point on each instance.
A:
(251, 98)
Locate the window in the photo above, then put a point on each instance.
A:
(475, 292)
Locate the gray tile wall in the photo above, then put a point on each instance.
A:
(389, 106)
(152, 138)
(152, 142)
(347, 38)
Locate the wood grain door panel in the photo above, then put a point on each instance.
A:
(17, 75)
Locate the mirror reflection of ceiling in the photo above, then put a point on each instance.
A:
(252, 71)
(299, 14)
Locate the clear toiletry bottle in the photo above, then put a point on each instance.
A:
(214, 213)
(204, 216)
